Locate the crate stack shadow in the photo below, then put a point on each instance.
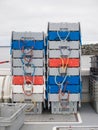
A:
(93, 83)
(63, 67)
(28, 70)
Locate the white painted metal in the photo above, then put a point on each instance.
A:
(75, 127)
(5, 71)
(94, 64)
(85, 64)
(85, 89)
(7, 88)
(1, 86)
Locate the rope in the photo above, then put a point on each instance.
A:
(33, 70)
(67, 47)
(61, 38)
(34, 104)
(64, 68)
(3, 62)
(26, 92)
(23, 39)
(30, 81)
(67, 101)
(23, 59)
(62, 93)
(58, 83)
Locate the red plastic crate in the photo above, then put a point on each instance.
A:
(58, 62)
(74, 62)
(54, 62)
(19, 80)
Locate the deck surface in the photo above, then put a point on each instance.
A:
(88, 120)
(51, 118)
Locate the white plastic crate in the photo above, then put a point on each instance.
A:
(65, 52)
(57, 44)
(70, 71)
(35, 62)
(28, 70)
(72, 97)
(64, 26)
(34, 88)
(36, 53)
(28, 35)
(34, 108)
(63, 107)
(36, 97)
(11, 116)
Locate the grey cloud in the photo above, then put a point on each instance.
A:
(31, 15)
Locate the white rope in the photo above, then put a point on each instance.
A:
(65, 37)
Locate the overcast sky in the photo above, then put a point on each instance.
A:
(34, 15)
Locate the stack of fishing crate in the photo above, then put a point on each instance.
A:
(28, 69)
(63, 65)
(93, 84)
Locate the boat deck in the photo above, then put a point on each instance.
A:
(86, 119)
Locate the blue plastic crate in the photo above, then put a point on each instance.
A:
(18, 45)
(73, 36)
(69, 79)
(54, 89)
